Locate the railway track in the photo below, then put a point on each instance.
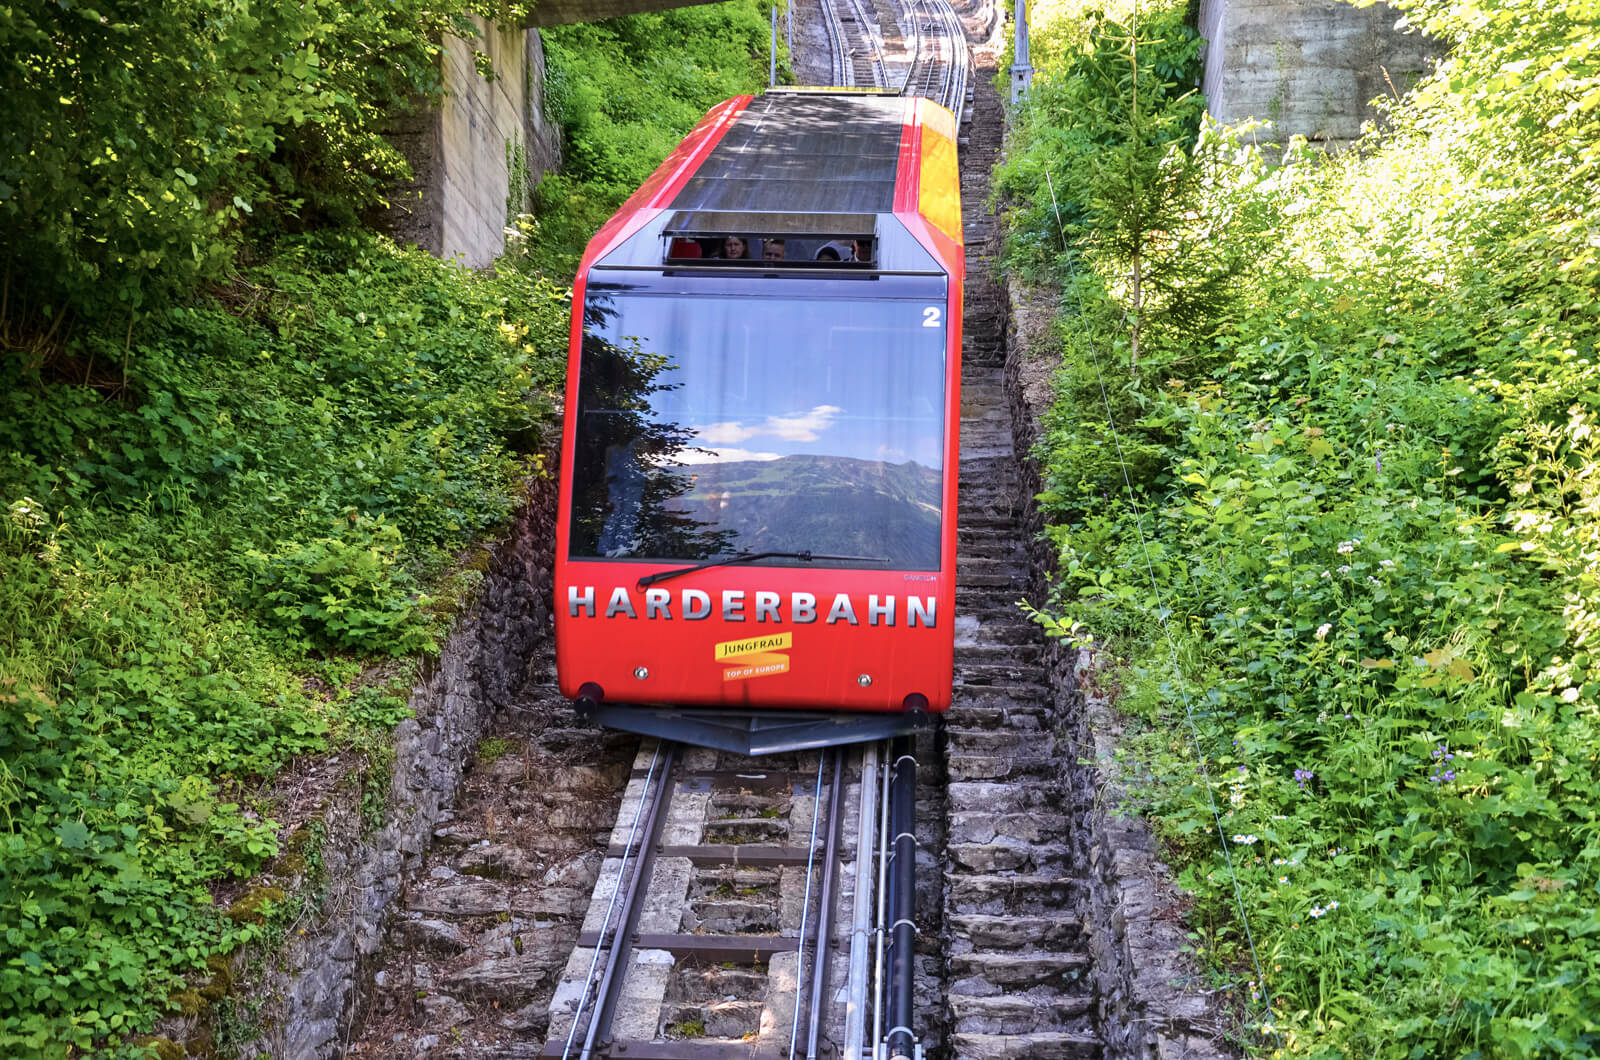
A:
(855, 45)
(728, 922)
(941, 59)
(937, 61)
(749, 909)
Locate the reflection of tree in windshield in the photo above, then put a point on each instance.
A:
(624, 480)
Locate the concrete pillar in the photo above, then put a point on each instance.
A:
(466, 153)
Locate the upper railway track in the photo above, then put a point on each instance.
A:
(759, 907)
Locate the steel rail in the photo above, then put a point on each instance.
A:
(805, 910)
(830, 865)
(939, 68)
(856, 55)
(603, 1001)
(622, 870)
(855, 1011)
(874, 41)
(839, 48)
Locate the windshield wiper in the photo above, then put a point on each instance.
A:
(751, 557)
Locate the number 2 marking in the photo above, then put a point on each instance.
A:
(930, 316)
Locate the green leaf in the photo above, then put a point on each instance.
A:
(74, 835)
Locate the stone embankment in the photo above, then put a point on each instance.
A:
(1016, 953)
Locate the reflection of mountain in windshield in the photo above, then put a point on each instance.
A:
(823, 503)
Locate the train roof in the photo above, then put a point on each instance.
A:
(803, 154)
(807, 167)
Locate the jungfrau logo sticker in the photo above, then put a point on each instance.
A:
(754, 656)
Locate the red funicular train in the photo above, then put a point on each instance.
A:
(757, 540)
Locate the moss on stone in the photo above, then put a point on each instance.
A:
(252, 907)
(162, 1048)
(187, 1001)
(221, 967)
(202, 1043)
(291, 863)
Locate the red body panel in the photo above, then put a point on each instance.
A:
(820, 666)
(742, 653)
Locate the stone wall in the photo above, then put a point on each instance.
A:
(309, 1002)
(1151, 996)
(1306, 67)
(465, 153)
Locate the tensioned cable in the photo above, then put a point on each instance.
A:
(1166, 628)
(622, 872)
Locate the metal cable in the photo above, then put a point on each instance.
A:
(805, 908)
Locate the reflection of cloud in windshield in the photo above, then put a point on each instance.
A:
(699, 455)
(796, 427)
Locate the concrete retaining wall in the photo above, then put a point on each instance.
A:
(465, 154)
(349, 861)
(1306, 67)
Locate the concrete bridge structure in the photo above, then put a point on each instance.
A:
(489, 141)
(1306, 67)
(561, 12)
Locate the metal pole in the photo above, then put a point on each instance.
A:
(855, 1011)
(903, 893)
(772, 62)
(1021, 70)
(830, 863)
(788, 26)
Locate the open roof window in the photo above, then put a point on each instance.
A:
(773, 240)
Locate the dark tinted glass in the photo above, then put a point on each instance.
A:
(784, 421)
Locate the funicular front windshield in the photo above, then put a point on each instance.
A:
(744, 417)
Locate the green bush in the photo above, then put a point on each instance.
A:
(288, 465)
(347, 592)
(1353, 580)
(142, 138)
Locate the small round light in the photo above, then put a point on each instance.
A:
(641, 672)
(865, 680)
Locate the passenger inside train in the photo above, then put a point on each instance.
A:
(829, 251)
